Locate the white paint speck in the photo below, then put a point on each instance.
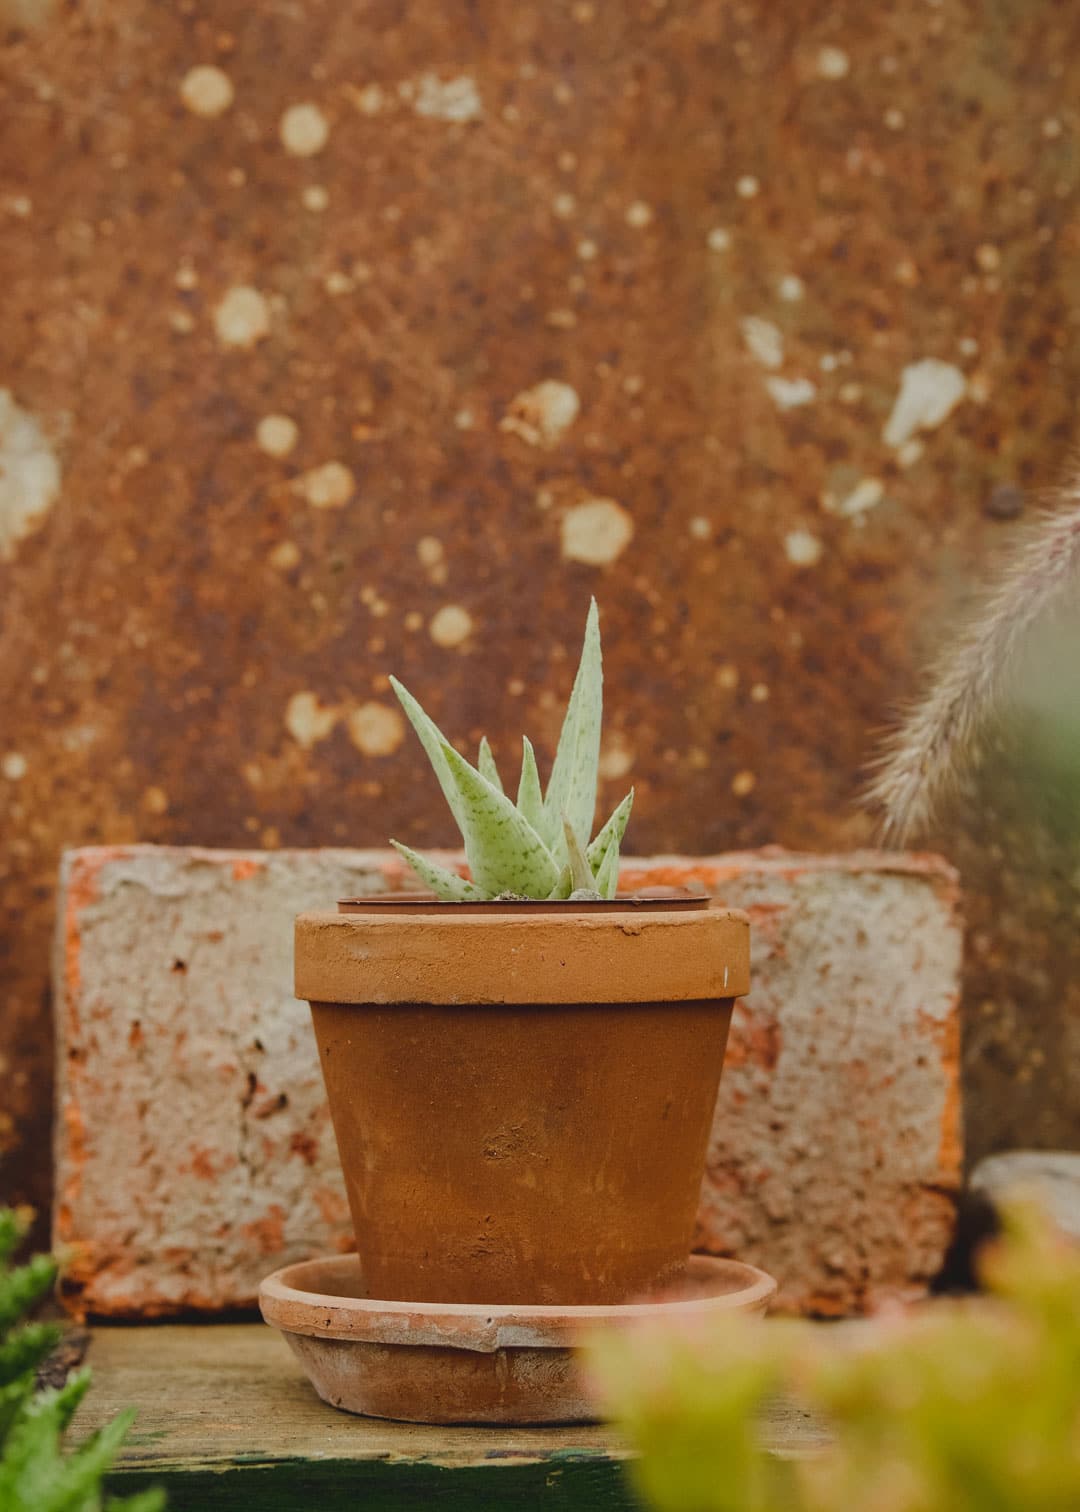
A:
(327, 487)
(308, 721)
(450, 626)
(700, 528)
(718, 239)
(14, 766)
(929, 392)
(587, 250)
(542, 415)
(206, 91)
(242, 317)
(763, 340)
(894, 119)
(315, 198)
(448, 99)
(616, 756)
(639, 215)
(563, 205)
(375, 729)
(802, 548)
(276, 435)
(910, 453)
(790, 393)
(596, 532)
(791, 288)
(833, 63)
(747, 187)
(29, 475)
(369, 99)
(988, 257)
(304, 130)
(866, 494)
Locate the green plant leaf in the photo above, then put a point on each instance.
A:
(615, 828)
(486, 765)
(505, 852)
(443, 883)
(26, 1348)
(530, 797)
(14, 1226)
(21, 1289)
(572, 786)
(433, 740)
(607, 874)
(580, 871)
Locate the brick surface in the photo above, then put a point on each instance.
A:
(194, 1149)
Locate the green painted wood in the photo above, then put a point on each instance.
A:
(383, 1487)
(228, 1421)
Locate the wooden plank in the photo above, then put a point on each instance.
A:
(226, 1420)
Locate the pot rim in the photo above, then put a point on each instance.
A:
(713, 1283)
(512, 955)
(656, 899)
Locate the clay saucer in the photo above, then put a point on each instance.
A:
(446, 1362)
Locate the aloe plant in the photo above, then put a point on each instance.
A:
(537, 846)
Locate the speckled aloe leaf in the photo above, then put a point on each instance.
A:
(615, 828)
(530, 797)
(607, 873)
(580, 871)
(572, 787)
(505, 852)
(433, 741)
(486, 765)
(443, 883)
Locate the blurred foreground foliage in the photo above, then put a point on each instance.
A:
(35, 1474)
(968, 1405)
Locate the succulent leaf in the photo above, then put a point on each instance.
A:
(443, 883)
(433, 740)
(486, 765)
(607, 873)
(538, 847)
(530, 797)
(572, 786)
(505, 852)
(615, 828)
(580, 870)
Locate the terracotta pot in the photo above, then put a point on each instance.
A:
(522, 1096)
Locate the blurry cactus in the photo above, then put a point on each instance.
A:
(538, 846)
(928, 756)
(962, 1406)
(35, 1475)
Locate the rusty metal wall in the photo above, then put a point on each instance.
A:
(347, 339)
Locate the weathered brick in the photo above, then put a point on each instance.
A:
(194, 1150)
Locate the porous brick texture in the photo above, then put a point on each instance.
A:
(194, 1149)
